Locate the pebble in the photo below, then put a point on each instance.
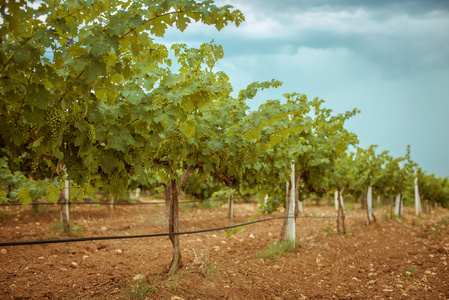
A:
(3, 251)
(74, 265)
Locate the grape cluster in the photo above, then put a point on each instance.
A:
(74, 118)
(35, 164)
(91, 134)
(25, 130)
(54, 118)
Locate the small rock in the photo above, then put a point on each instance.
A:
(176, 298)
(63, 269)
(119, 251)
(251, 236)
(103, 228)
(74, 265)
(85, 256)
(3, 251)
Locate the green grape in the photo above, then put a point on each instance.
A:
(35, 164)
(91, 133)
(25, 130)
(54, 118)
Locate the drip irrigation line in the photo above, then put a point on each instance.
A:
(108, 203)
(99, 238)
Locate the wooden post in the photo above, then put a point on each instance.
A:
(111, 200)
(64, 207)
(369, 203)
(291, 235)
(417, 198)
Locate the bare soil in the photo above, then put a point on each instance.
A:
(404, 258)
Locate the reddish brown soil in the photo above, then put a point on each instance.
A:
(390, 259)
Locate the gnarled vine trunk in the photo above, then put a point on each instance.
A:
(173, 227)
(173, 219)
(231, 206)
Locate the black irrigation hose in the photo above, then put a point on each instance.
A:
(107, 203)
(163, 234)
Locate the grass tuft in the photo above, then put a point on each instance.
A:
(140, 288)
(274, 251)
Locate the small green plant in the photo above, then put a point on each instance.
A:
(233, 231)
(411, 273)
(75, 230)
(174, 283)
(425, 218)
(187, 207)
(5, 215)
(140, 288)
(385, 216)
(203, 263)
(416, 222)
(211, 268)
(209, 204)
(399, 218)
(328, 229)
(349, 207)
(440, 228)
(274, 251)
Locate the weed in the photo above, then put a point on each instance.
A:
(187, 207)
(349, 207)
(208, 204)
(328, 228)
(211, 268)
(425, 218)
(399, 218)
(203, 263)
(274, 251)
(440, 228)
(140, 288)
(416, 222)
(5, 215)
(174, 283)
(411, 273)
(75, 230)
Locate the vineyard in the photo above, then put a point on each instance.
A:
(96, 111)
(401, 258)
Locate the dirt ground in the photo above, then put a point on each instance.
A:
(405, 258)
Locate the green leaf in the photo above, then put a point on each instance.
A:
(53, 194)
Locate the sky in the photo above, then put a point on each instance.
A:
(388, 58)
